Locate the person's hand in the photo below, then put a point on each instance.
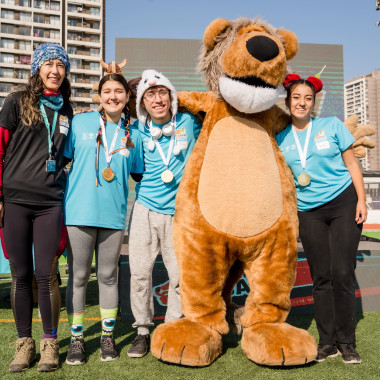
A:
(1, 213)
(361, 212)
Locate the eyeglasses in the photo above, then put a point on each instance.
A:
(151, 95)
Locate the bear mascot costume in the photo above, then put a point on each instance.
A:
(236, 208)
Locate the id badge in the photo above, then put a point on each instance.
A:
(50, 165)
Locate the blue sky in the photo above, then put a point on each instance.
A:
(351, 23)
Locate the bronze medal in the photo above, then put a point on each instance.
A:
(304, 179)
(167, 176)
(108, 174)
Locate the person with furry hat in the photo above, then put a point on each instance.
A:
(168, 138)
(34, 124)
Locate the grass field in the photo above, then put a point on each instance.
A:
(233, 364)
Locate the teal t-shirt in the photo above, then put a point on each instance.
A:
(104, 205)
(152, 192)
(324, 163)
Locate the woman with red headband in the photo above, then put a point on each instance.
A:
(331, 211)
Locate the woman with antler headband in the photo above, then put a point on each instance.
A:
(105, 149)
(331, 211)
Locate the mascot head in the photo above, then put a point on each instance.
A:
(245, 62)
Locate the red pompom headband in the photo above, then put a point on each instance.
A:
(315, 81)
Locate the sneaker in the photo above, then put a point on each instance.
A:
(326, 351)
(75, 353)
(349, 354)
(49, 352)
(108, 350)
(25, 355)
(140, 346)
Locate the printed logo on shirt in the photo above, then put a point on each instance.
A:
(123, 142)
(181, 138)
(124, 152)
(64, 125)
(321, 141)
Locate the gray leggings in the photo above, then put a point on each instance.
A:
(82, 241)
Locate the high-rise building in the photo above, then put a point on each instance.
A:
(79, 26)
(362, 97)
(178, 59)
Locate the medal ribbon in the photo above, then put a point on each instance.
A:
(302, 153)
(166, 159)
(106, 152)
(47, 125)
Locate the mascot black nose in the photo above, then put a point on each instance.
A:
(262, 48)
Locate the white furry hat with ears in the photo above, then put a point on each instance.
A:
(152, 78)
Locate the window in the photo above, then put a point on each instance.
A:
(95, 25)
(94, 66)
(8, 44)
(24, 31)
(40, 4)
(54, 6)
(6, 28)
(54, 34)
(73, 21)
(94, 78)
(23, 74)
(72, 50)
(39, 18)
(7, 58)
(24, 45)
(5, 87)
(6, 73)
(25, 3)
(24, 16)
(75, 63)
(8, 2)
(95, 11)
(94, 38)
(37, 32)
(94, 52)
(25, 59)
(2, 101)
(73, 36)
(7, 14)
(54, 20)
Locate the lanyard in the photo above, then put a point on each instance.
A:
(47, 125)
(109, 153)
(167, 158)
(302, 153)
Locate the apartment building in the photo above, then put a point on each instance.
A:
(78, 26)
(362, 97)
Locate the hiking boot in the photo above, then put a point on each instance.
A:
(25, 355)
(75, 353)
(49, 355)
(349, 354)
(326, 351)
(108, 350)
(140, 346)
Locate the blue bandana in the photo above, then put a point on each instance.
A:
(46, 52)
(53, 102)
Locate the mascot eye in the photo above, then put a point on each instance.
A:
(156, 76)
(146, 80)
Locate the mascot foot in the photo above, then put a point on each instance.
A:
(186, 343)
(278, 344)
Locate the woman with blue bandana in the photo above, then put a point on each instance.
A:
(33, 127)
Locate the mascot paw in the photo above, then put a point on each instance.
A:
(186, 343)
(278, 344)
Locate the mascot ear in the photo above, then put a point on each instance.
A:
(213, 30)
(290, 42)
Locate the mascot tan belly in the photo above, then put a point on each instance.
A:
(236, 206)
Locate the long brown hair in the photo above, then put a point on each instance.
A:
(30, 111)
(124, 83)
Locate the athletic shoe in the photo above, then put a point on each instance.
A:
(49, 351)
(108, 350)
(25, 355)
(140, 346)
(75, 353)
(326, 351)
(349, 354)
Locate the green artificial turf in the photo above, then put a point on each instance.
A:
(232, 364)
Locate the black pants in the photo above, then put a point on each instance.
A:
(41, 226)
(330, 238)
